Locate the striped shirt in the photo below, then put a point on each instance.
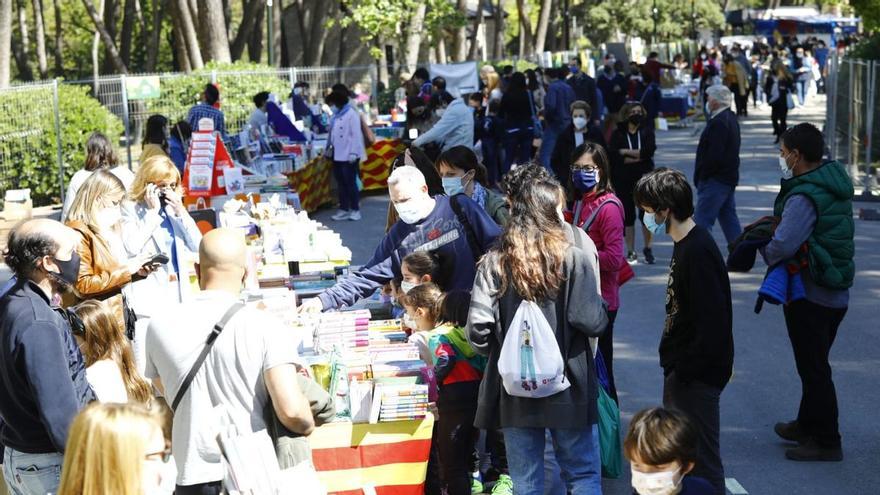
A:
(203, 110)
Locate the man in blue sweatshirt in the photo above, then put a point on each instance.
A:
(42, 374)
(557, 116)
(426, 224)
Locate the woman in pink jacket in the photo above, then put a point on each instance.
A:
(598, 211)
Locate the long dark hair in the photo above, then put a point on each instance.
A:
(99, 153)
(531, 250)
(155, 133)
(600, 158)
(463, 158)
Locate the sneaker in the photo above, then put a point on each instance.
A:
(631, 258)
(649, 255)
(355, 215)
(790, 431)
(341, 215)
(476, 486)
(811, 451)
(504, 486)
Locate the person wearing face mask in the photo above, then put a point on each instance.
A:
(612, 84)
(42, 372)
(599, 213)
(119, 449)
(583, 85)
(345, 147)
(516, 111)
(631, 152)
(696, 346)
(105, 271)
(455, 126)
(463, 174)
(815, 207)
(581, 130)
(459, 232)
(716, 167)
(557, 113)
(778, 88)
(802, 67)
(661, 446)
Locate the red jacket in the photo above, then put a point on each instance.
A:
(606, 232)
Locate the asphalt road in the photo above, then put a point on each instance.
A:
(765, 387)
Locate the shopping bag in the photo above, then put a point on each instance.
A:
(790, 101)
(661, 124)
(530, 363)
(609, 436)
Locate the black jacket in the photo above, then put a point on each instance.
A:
(42, 374)
(718, 151)
(584, 88)
(645, 142)
(561, 159)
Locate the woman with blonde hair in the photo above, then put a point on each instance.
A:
(155, 222)
(105, 268)
(99, 155)
(115, 448)
(110, 367)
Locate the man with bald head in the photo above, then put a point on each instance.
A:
(251, 361)
(42, 374)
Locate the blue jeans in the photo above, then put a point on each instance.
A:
(346, 174)
(548, 142)
(576, 451)
(517, 147)
(802, 91)
(32, 474)
(715, 200)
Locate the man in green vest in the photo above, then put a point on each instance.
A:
(816, 230)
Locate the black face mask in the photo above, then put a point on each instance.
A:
(69, 270)
(635, 119)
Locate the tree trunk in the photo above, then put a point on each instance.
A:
(250, 12)
(110, 16)
(189, 34)
(498, 52)
(476, 39)
(553, 29)
(441, 50)
(276, 34)
(255, 42)
(5, 42)
(42, 61)
(543, 24)
(180, 45)
(414, 37)
(318, 35)
(96, 45)
(59, 39)
(459, 43)
(128, 18)
(227, 17)
(157, 9)
(382, 60)
(212, 31)
(20, 45)
(115, 59)
(525, 29)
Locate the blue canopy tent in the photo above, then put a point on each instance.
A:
(830, 25)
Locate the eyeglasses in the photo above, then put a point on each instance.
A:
(162, 455)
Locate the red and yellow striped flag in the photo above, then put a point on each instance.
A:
(390, 457)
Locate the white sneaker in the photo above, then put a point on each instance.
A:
(341, 215)
(355, 215)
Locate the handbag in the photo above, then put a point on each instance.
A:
(609, 425)
(626, 273)
(209, 344)
(536, 122)
(789, 100)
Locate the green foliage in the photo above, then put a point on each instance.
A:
(869, 11)
(387, 19)
(609, 18)
(28, 150)
(868, 48)
(181, 92)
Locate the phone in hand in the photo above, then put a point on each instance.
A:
(159, 259)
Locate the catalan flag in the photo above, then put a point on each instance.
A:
(376, 168)
(390, 457)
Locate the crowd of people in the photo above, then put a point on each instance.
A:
(506, 266)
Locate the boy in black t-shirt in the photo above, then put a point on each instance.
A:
(696, 349)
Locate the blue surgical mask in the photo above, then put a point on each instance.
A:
(453, 185)
(650, 221)
(584, 180)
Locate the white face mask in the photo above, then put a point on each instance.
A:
(787, 172)
(108, 217)
(662, 483)
(297, 91)
(579, 122)
(409, 322)
(407, 286)
(439, 112)
(410, 211)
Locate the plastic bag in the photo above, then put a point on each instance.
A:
(530, 363)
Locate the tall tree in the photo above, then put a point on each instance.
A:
(59, 39)
(255, 43)
(459, 42)
(111, 11)
(42, 61)
(128, 17)
(5, 42)
(498, 52)
(252, 10)
(415, 26)
(525, 28)
(186, 13)
(21, 45)
(157, 9)
(475, 36)
(96, 45)
(543, 24)
(116, 61)
(212, 31)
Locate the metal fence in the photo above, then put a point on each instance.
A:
(32, 122)
(853, 119)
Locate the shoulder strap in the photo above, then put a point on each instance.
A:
(466, 225)
(592, 218)
(209, 343)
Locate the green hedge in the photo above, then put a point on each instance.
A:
(28, 149)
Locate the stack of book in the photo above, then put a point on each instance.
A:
(346, 330)
(386, 332)
(398, 402)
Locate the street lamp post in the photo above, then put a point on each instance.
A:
(270, 28)
(694, 19)
(655, 12)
